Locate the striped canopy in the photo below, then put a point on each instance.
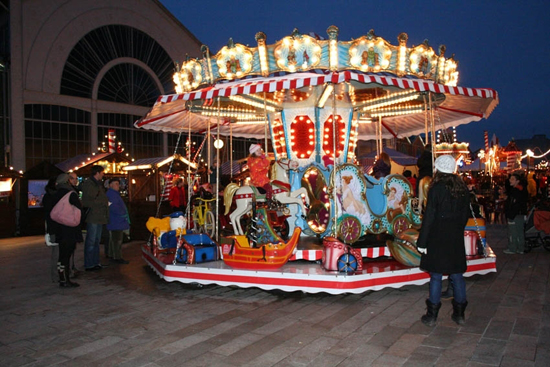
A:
(460, 106)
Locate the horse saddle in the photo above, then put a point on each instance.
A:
(259, 192)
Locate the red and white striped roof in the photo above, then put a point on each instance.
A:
(462, 105)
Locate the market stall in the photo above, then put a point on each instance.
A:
(32, 189)
(9, 185)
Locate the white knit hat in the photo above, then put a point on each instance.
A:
(445, 164)
(254, 148)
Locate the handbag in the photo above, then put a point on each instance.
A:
(65, 213)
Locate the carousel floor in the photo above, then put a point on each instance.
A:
(379, 271)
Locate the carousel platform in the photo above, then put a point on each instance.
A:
(305, 273)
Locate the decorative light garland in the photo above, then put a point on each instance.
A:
(251, 102)
(396, 111)
(232, 112)
(395, 98)
(299, 52)
(531, 154)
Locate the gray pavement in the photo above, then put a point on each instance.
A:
(125, 315)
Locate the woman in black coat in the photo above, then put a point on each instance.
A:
(441, 238)
(66, 236)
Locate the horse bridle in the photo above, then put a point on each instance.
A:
(285, 166)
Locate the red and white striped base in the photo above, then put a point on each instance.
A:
(303, 276)
(314, 255)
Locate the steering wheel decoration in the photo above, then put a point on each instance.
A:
(350, 229)
(400, 224)
(347, 263)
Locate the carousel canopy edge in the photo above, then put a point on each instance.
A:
(170, 113)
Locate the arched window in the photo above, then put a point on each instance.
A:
(128, 83)
(108, 43)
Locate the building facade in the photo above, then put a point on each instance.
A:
(75, 69)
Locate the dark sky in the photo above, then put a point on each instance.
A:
(502, 45)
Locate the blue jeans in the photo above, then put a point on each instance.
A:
(91, 245)
(459, 287)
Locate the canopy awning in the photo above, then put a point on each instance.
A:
(460, 106)
(83, 160)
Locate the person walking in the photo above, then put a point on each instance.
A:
(441, 238)
(515, 208)
(66, 236)
(97, 204)
(118, 221)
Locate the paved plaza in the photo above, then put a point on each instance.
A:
(125, 315)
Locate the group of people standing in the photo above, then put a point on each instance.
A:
(98, 207)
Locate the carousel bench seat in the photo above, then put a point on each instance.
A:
(197, 248)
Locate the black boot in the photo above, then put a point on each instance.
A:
(69, 282)
(61, 274)
(449, 292)
(458, 312)
(430, 317)
(64, 278)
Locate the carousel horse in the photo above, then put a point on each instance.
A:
(423, 187)
(245, 195)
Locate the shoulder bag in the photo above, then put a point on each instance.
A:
(65, 213)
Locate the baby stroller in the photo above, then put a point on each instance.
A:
(537, 226)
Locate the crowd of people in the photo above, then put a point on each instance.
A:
(96, 208)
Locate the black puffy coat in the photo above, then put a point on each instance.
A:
(442, 231)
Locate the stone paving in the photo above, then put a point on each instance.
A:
(125, 315)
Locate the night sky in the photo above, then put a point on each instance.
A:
(503, 45)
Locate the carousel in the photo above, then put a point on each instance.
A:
(310, 100)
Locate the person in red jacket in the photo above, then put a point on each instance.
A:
(177, 197)
(258, 164)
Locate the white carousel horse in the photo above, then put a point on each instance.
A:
(244, 195)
